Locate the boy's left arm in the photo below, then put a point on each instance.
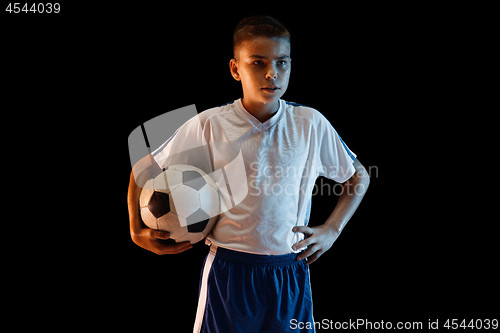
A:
(321, 238)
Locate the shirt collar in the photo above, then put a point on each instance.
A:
(256, 122)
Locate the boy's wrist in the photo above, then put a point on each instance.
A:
(333, 226)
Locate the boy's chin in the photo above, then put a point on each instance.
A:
(270, 98)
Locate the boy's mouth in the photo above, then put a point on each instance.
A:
(270, 89)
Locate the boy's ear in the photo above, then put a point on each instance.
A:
(233, 66)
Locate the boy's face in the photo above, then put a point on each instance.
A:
(263, 66)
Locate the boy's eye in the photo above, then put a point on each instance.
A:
(258, 62)
(282, 62)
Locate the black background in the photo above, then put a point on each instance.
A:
(80, 82)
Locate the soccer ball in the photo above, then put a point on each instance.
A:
(182, 200)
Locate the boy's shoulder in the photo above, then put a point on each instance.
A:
(306, 112)
(216, 111)
(300, 108)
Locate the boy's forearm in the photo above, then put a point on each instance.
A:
(350, 198)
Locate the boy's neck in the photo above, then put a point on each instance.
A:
(261, 111)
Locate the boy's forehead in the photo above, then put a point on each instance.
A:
(265, 47)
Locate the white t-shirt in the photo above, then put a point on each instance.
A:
(265, 172)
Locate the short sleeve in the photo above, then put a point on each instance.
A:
(335, 158)
(186, 146)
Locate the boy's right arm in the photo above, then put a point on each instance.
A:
(143, 236)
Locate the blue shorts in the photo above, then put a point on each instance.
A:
(242, 292)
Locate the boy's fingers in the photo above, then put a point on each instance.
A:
(307, 253)
(304, 255)
(302, 244)
(313, 258)
(303, 229)
(176, 248)
(160, 234)
(305, 242)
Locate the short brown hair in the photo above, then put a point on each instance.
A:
(258, 26)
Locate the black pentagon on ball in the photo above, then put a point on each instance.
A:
(193, 179)
(197, 221)
(159, 204)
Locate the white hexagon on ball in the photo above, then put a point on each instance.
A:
(209, 200)
(186, 201)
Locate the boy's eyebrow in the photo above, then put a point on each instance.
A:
(263, 57)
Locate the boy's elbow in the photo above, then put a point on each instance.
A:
(362, 175)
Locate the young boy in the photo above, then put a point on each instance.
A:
(256, 276)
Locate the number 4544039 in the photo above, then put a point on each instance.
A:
(474, 324)
(48, 7)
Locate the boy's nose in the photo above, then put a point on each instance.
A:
(271, 74)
